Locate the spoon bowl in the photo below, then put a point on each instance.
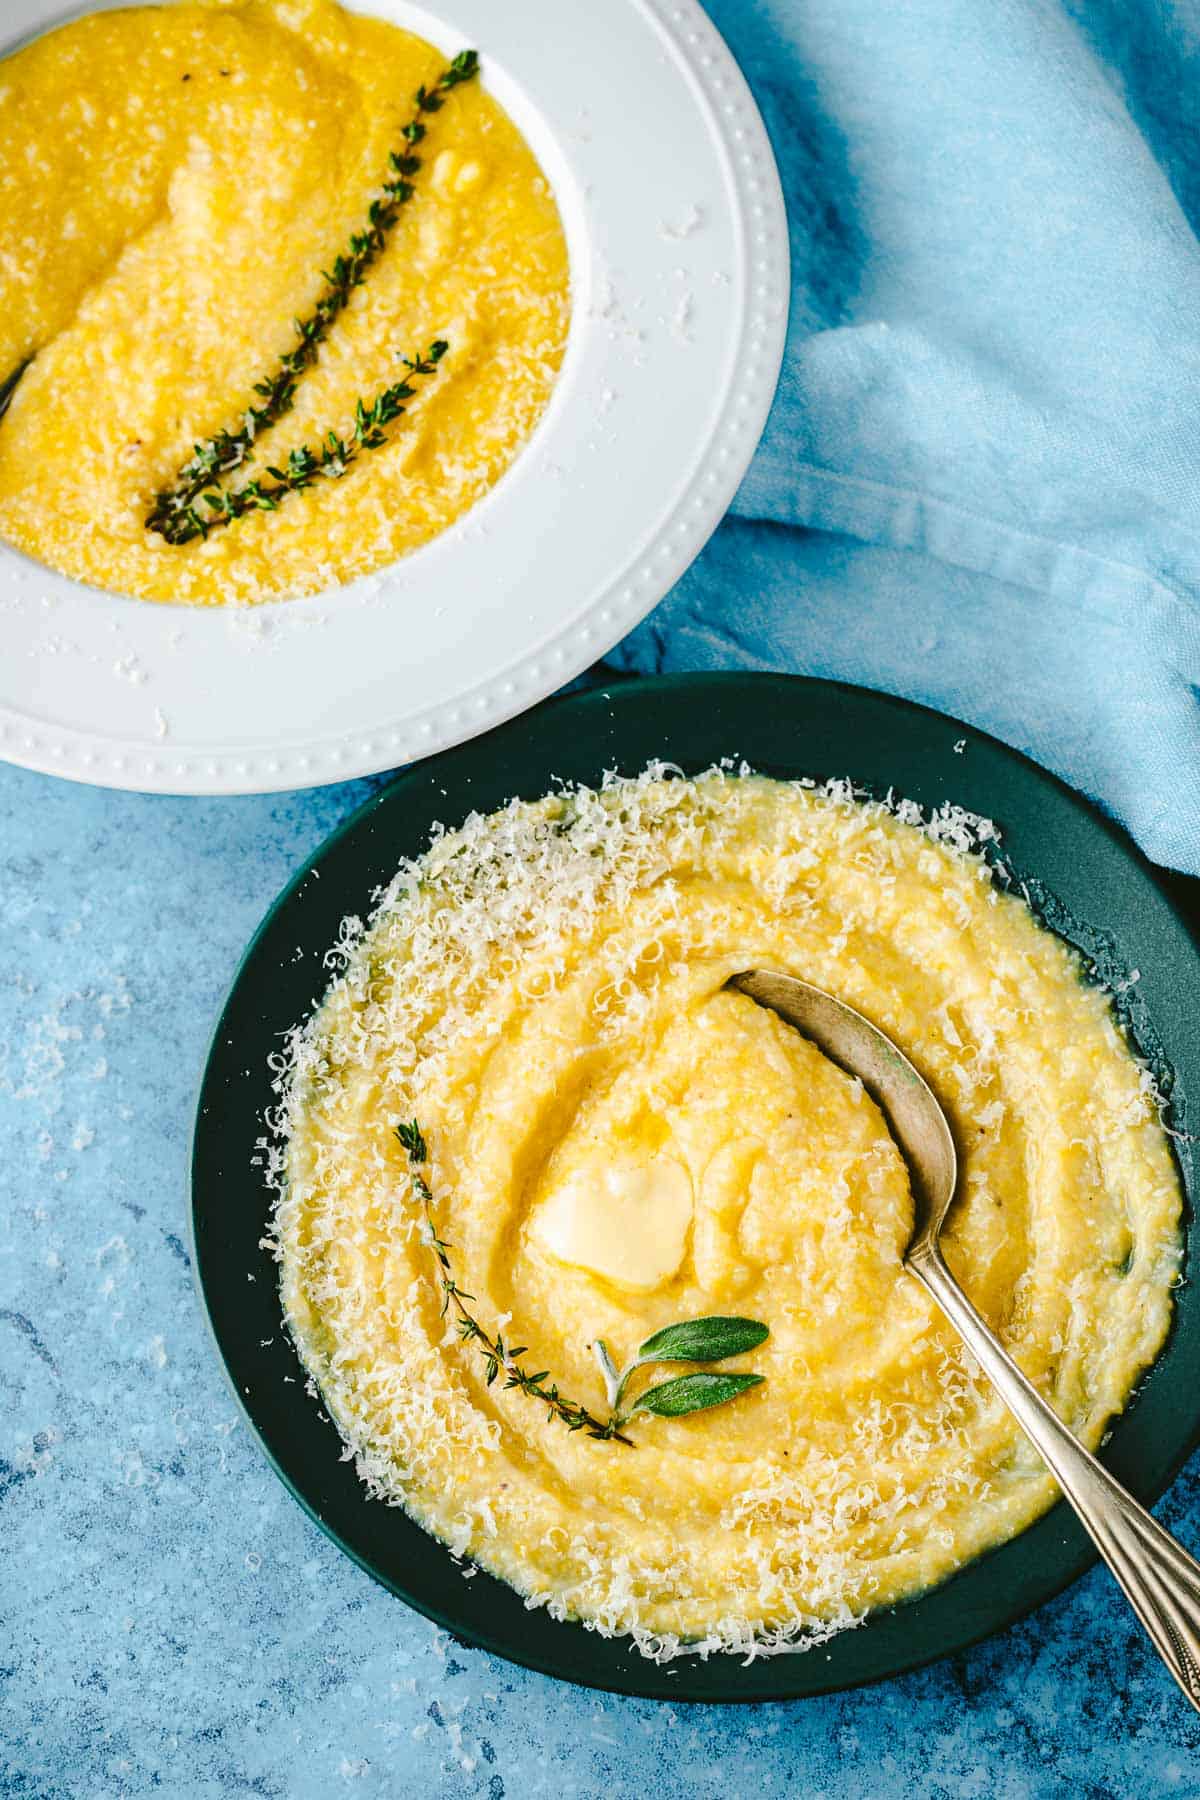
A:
(1159, 1579)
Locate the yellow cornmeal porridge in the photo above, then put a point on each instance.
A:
(173, 181)
(543, 991)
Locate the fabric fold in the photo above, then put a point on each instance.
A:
(980, 482)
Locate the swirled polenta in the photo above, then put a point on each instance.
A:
(544, 991)
(173, 181)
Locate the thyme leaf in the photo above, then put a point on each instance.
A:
(174, 515)
(412, 1141)
(8, 386)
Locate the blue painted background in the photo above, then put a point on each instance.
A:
(172, 1623)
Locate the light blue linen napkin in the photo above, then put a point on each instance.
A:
(980, 483)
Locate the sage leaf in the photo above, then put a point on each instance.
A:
(692, 1393)
(703, 1340)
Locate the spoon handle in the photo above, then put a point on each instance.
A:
(1160, 1580)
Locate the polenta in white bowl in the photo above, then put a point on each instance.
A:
(529, 1118)
(284, 292)
(401, 382)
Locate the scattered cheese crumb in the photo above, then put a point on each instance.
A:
(690, 223)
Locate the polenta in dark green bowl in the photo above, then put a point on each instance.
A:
(738, 1178)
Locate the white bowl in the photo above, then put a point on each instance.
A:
(679, 263)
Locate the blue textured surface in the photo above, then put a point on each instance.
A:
(173, 1623)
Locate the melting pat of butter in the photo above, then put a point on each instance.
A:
(626, 1222)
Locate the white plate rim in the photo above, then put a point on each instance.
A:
(501, 683)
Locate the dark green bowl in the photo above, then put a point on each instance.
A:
(782, 725)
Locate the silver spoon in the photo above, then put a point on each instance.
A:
(1160, 1580)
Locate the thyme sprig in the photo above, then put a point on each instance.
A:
(500, 1358)
(173, 515)
(691, 1340)
(332, 460)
